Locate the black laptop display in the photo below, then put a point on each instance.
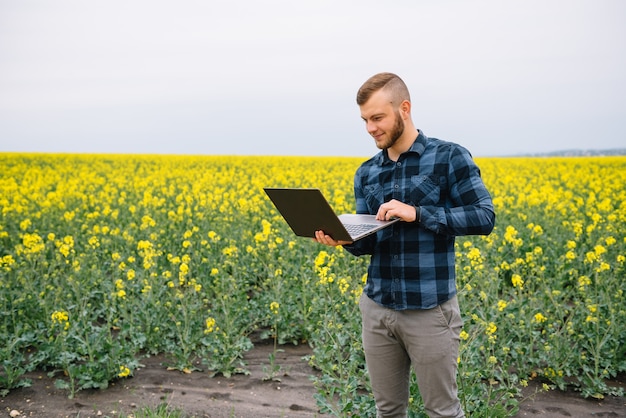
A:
(307, 211)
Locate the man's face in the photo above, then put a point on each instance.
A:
(382, 121)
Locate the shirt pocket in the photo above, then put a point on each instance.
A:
(424, 190)
(374, 197)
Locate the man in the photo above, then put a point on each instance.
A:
(409, 308)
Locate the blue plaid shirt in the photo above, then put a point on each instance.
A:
(412, 264)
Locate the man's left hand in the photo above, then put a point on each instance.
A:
(396, 209)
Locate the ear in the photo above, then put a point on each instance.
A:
(405, 109)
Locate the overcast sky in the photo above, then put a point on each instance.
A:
(280, 77)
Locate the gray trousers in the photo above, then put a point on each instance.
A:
(428, 340)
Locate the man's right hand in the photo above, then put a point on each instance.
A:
(322, 238)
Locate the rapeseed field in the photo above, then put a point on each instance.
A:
(105, 258)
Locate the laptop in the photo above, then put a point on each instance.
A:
(307, 211)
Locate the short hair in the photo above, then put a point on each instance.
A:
(388, 81)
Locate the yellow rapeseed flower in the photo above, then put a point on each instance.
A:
(210, 325)
(321, 258)
(343, 285)
(501, 305)
(6, 262)
(25, 224)
(124, 371)
(274, 307)
(517, 281)
(32, 243)
(62, 318)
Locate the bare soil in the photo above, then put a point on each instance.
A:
(240, 396)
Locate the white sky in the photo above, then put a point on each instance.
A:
(280, 77)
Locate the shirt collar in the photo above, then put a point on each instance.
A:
(417, 147)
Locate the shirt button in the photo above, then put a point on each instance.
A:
(396, 186)
(399, 164)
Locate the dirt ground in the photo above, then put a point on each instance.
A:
(239, 396)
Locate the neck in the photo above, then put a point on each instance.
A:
(403, 143)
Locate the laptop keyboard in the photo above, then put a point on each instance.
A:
(355, 229)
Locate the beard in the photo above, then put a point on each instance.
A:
(395, 133)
